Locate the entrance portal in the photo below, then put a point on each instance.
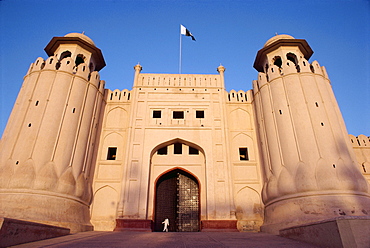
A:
(177, 198)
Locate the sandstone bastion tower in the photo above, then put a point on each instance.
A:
(48, 145)
(310, 170)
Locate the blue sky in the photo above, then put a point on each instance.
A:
(227, 32)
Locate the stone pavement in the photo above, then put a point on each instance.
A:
(170, 239)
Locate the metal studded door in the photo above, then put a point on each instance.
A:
(187, 204)
(177, 198)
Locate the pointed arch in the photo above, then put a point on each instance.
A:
(174, 169)
(80, 59)
(104, 208)
(277, 61)
(116, 117)
(111, 140)
(292, 57)
(102, 187)
(65, 54)
(249, 209)
(238, 117)
(242, 140)
(177, 198)
(176, 140)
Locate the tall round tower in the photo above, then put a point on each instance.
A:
(48, 144)
(309, 169)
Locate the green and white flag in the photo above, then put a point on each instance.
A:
(186, 32)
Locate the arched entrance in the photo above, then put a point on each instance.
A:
(177, 198)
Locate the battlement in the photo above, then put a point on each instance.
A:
(239, 97)
(118, 95)
(361, 147)
(289, 67)
(283, 69)
(66, 65)
(360, 141)
(178, 80)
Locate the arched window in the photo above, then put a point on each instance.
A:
(292, 57)
(65, 54)
(80, 59)
(277, 61)
(312, 69)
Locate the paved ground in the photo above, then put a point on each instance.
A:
(170, 239)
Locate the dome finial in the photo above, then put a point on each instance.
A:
(83, 32)
(138, 67)
(221, 68)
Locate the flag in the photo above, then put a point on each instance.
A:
(186, 32)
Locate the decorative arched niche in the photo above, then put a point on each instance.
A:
(104, 209)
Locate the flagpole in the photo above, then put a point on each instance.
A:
(180, 52)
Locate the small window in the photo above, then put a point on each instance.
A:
(243, 153)
(157, 114)
(162, 151)
(277, 61)
(80, 59)
(199, 114)
(112, 152)
(65, 54)
(178, 114)
(312, 69)
(193, 151)
(177, 148)
(292, 57)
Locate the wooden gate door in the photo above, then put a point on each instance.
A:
(177, 198)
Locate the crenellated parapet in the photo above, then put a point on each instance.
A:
(151, 80)
(360, 141)
(66, 65)
(239, 97)
(286, 67)
(116, 95)
(178, 80)
(361, 147)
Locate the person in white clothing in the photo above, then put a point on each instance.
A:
(166, 223)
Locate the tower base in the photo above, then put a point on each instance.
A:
(338, 232)
(300, 209)
(46, 208)
(15, 232)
